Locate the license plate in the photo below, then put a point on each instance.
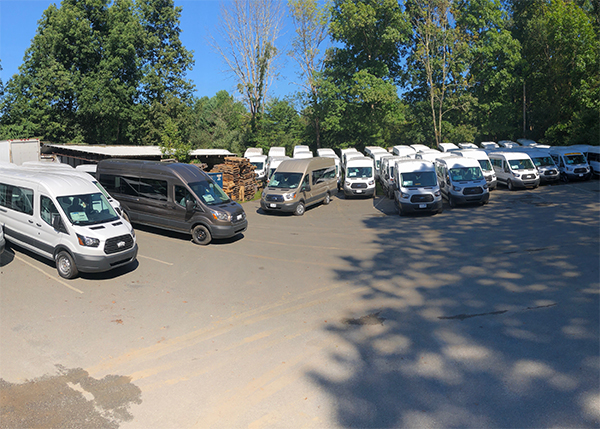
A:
(359, 192)
(422, 206)
(273, 205)
(580, 175)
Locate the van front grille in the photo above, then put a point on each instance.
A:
(579, 170)
(274, 198)
(551, 173)
(359, 185)
(473, 191)
(421, 198)
(118, 244)
(528, 176)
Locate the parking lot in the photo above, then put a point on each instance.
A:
(348, 316)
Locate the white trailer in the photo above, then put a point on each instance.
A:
(19, 151)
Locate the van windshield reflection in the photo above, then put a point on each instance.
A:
(285, 180)
(418, 178)
(87, 209)
(210, 193)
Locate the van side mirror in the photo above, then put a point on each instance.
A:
(305, 188)
(189, 205)
(57, 223)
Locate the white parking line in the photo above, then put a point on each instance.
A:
(155, 260)
(43, 272)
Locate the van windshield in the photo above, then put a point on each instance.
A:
(87, 209)
(209, 192)
(465, 174)
(359, 172)
(285, 180)
(418, 178)
(485, 164)
(258, 165)
(521, 164)
(574, 158)
(543, 161)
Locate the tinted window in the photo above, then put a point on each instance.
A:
(16, 198)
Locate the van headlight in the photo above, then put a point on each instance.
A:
(220, 215)
(289, 197)
(88, 241)
(456, 188)
(371, 182)
(516, 175)
(403, 195)
(437, 193)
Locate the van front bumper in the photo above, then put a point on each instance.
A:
(369, 192)
(407, 207)
(228, 231)
(101, 263)
(287, 207)
(468, 199)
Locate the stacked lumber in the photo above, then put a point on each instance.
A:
(239, 179)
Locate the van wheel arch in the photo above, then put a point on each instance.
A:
(300, 208)
(201, 234)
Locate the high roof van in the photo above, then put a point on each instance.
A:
(298, 184)
(592, 154)
(461, 180)
(300, 148)
(447, 147)
(571, 162)
(274, 163)
(489, 145)
(403, 150)
(65, 219)
(359, 176)
(303, 154)
(172, 196)
(420, 147)
(508, 144)
(253, 151)
(485, 164)
(468, 146)
(329, 153)
(260, 166)
(386, 174)
(276, 151)
(514, 169)
(416, 187)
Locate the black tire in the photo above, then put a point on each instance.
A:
(510, 185)
(564, 178)
(65, 265)
(327, 199)
(451, 201)
(300, 209)
(201, 235)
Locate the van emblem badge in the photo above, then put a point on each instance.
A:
(120, 244)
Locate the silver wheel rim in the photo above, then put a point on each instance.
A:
(300, 209)
(64, 265)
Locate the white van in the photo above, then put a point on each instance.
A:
(484, 163)
(447, 147)
(300, 148)
(88, 168)
(303, 154)
(377, 157)
(66, 219)
(489, 145)
(56, 168)
(253, 151)
(461, 180)
(359, 176)
(546, 166)
(420, 147)
(571, 162)
(370, 151)
(402, 150)
(432, 155)
(329, 153)
(276, 151)
(416, 187)
(468, 146)
(260, 166)
(349, 153)
(508, 144)
(274, 163)
(514, 169)
(527, 142)
(592, 153)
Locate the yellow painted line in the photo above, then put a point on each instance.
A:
(52, 277)
(155, 260)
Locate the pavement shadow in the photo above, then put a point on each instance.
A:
(486, 317)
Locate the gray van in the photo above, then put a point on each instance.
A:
(172, 196)
(299, 183)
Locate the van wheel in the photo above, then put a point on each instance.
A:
(510, 185)
(327, 199)
(299, 209)
(65, 265)
(451, 201)
(201, 235)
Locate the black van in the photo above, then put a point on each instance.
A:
(173, 196)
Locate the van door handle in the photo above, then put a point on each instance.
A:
(38, 224)
(30, 221)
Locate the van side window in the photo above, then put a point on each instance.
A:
(153, 189)
(47, 209)
(182, 195)
(16, 198)
(136, 187)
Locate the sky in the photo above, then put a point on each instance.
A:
(18, 25)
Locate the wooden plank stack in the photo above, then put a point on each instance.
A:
(239, 179)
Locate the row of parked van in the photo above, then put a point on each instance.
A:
(82, 222)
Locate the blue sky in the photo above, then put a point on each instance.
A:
(18, 25)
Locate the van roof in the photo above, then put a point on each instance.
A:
(458, 162)
(186, 172)
(565, 149)
(55, 183)
(508, 155)
(408, 165)
(360, 161)
(301, 165)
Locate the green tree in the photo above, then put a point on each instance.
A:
(281, 126)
